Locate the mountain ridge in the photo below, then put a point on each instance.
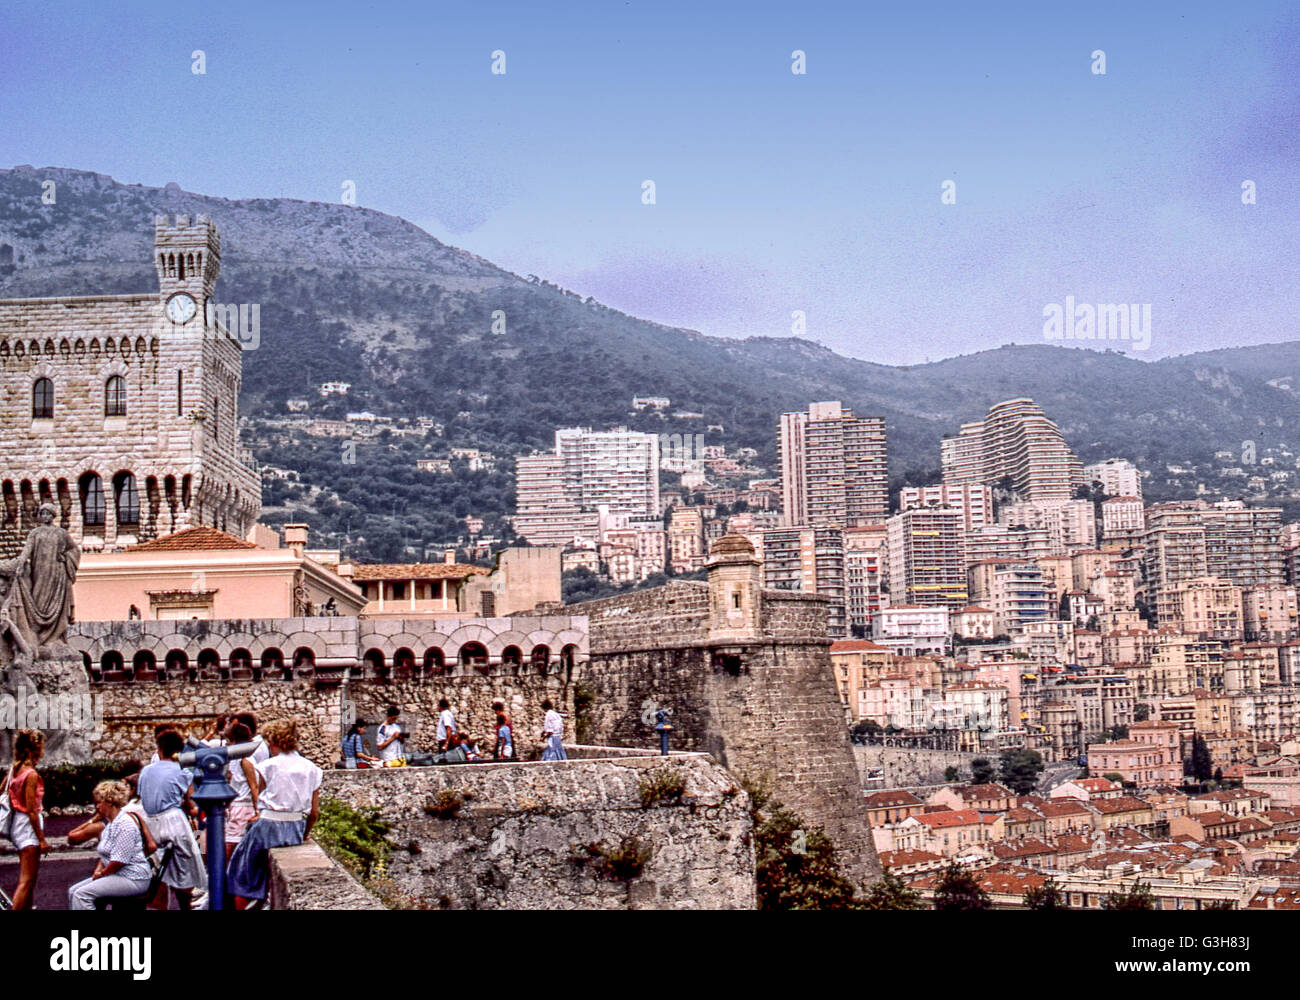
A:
(352, 294)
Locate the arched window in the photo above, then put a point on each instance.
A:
(474, 654)
(92, 500)
(42, 399)
(115, 397)
(128, 498)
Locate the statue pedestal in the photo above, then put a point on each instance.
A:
(53, 695)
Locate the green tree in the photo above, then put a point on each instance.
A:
(958, 889)
(866, 727)
(1114, 776)
(1137, 898)
(1020, 769)
(1202, 763)
(795, 863)
(1141, 712)
(981, 771)
(892, 893)
(1047, 896)
(951, 774)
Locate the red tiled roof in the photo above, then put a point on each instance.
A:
(1097, 784)
(895, 797)
(1073, 843)
(414, 571)
(191, 540)
(1062, 807)
(1125, 803)
(1022, 849)
(952, 817)
(1213, 818)
(856, 645)
(1285, 897)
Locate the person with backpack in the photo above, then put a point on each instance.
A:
(122, 869)
(24, 794)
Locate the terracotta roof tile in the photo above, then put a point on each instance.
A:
(895, 797)
(414, 571)
(953, 817)
(192, 539)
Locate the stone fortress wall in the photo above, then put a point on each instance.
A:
(536, 835)
(325, 672)
(748, 676)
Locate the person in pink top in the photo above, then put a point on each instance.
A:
(26, 791)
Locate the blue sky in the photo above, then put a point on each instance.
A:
(775, 192)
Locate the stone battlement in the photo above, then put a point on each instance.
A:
(564, 834)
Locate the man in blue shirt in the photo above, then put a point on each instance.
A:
(165, 796)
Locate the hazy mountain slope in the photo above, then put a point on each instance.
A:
(349, 293)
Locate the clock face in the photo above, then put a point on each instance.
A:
(181, 308)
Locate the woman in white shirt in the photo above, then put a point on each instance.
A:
(552, 733)
(288, 803)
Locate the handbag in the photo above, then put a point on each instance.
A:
(150, 847)
(6, 809)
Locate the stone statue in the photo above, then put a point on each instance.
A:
(37, 664)
(38, 607)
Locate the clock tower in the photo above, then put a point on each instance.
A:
(187, 257)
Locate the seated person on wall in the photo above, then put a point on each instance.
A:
(354, 745)
(124, 842)
(288, 805)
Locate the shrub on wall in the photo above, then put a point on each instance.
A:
(357, 838)
(795, 863)
(72, 784)
(584, 696)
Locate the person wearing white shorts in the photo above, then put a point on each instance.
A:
(26, 790)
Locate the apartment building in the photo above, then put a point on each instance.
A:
(810, 560)
(834, 467)
(926, 558)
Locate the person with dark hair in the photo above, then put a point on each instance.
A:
(354, 745)
(217, 737)
(242, 775)
(552, 733)
(505, 748)
(249, 721)
(446, 724)
(165, 791)
(499, 708)
(391, 746)
(158, 730)
(26, 790)
(288, 805)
